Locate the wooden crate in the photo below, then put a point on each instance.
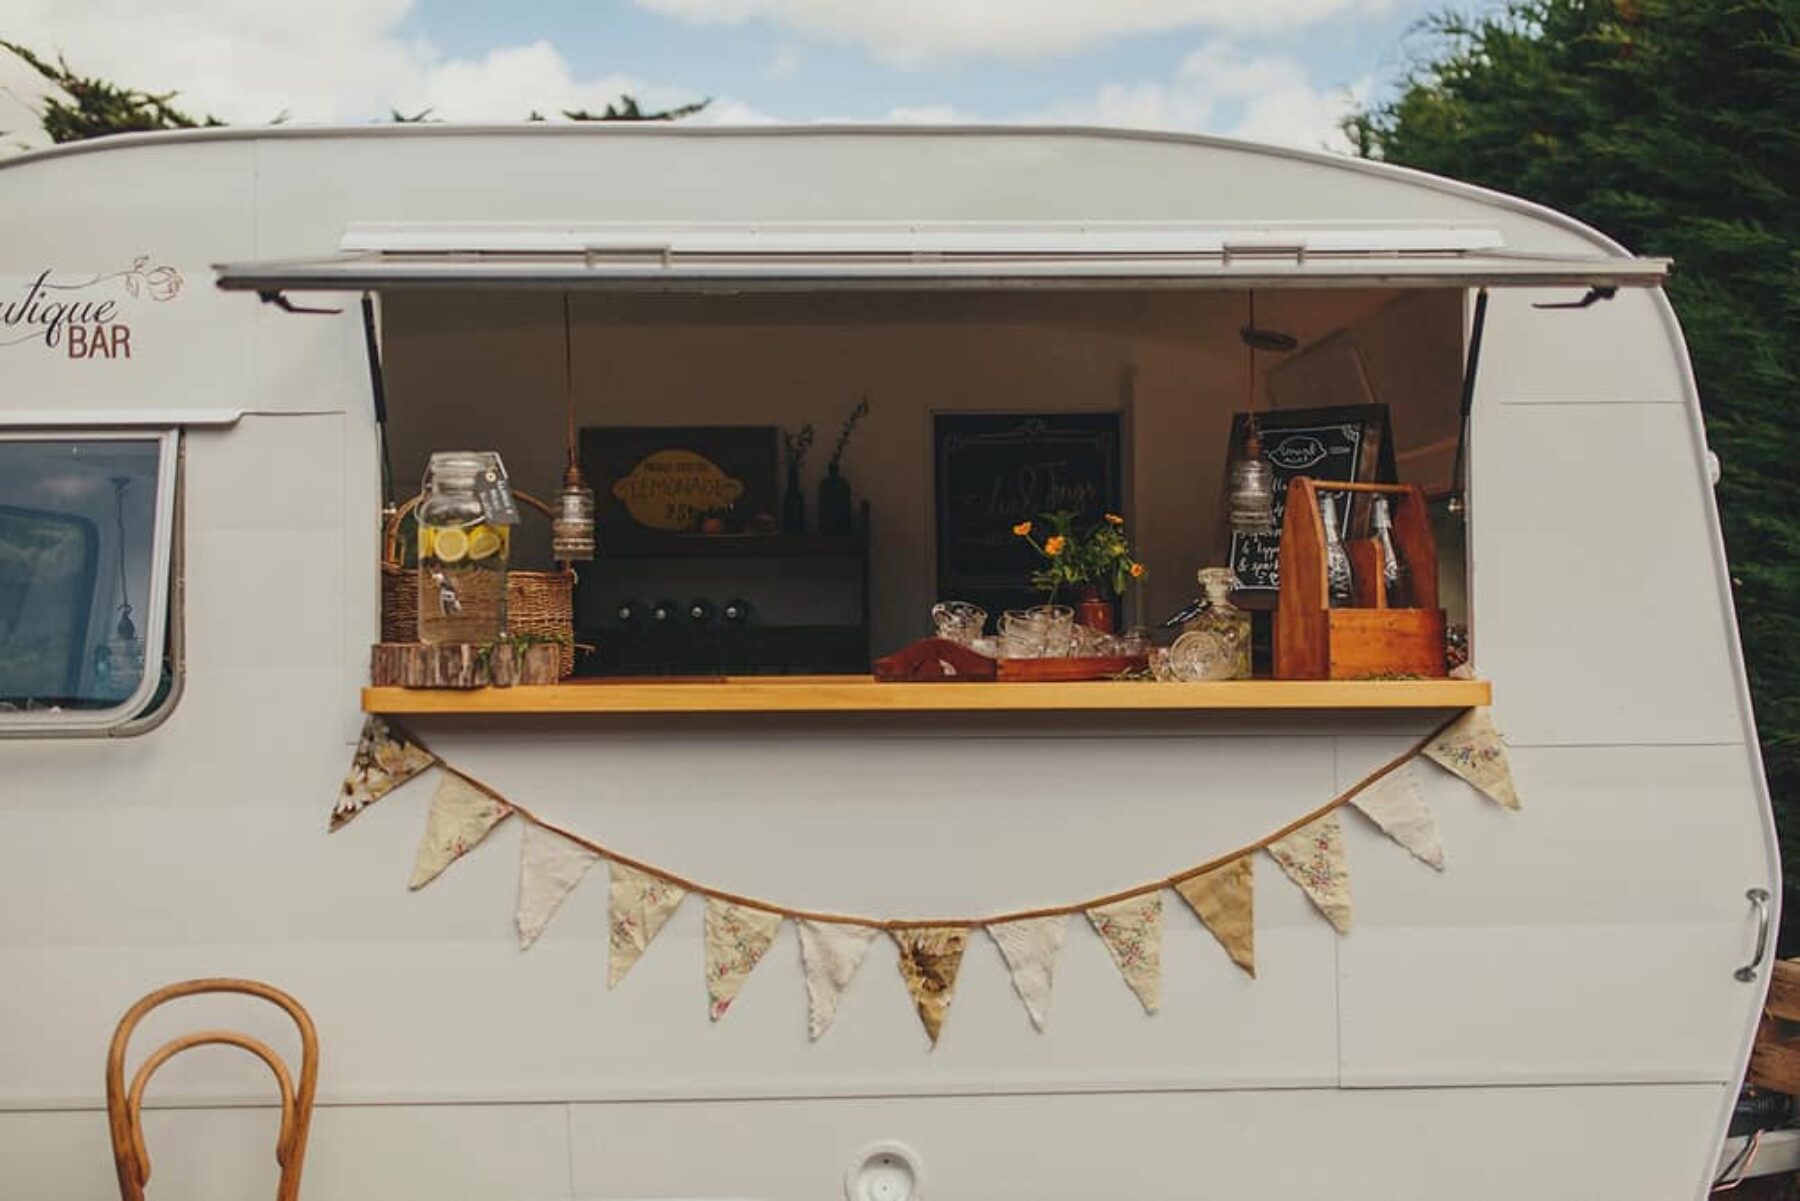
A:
(1775, 1056)
(1314, 641)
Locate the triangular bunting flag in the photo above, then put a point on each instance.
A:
(1132, 931)
(384, 760)
(830, 953)
(736, 937)
(461, 816)
(1030, 947)
(929, 961)
(550, 866)
(1397, 804)
(1473, 750)
(1224, 900)
(641, 904)
(1313, 857)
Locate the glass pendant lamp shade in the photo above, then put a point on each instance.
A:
(572, 528)
(1250, 488)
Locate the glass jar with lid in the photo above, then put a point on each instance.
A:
(464, 546)
(1215, 641)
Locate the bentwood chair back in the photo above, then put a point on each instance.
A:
(124, 1106)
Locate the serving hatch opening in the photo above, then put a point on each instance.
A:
(1011, 371)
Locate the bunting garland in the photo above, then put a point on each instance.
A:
(1396, 804)
(1224, 900)
(739, 930)
(461, 816)
(549, 869)
(830, 953)
(1030, 947)
(736, 937)
(641, 905)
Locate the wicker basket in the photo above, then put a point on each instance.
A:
(538, 603)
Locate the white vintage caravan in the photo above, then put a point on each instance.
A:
(191, 476)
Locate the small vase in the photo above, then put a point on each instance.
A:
(1094, 610)
(793, 504)
(834, 503)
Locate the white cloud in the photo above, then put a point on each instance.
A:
(912, 32)
(327, 60)
(1218, 89)
(927, 114)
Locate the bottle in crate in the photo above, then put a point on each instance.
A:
(1320, 633)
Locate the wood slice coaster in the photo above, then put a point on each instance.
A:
(461, 665)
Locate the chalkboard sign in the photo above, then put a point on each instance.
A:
(652, 483)
(1348, 443)
(994, 471)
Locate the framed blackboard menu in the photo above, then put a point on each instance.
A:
(1348, 442)
(996, 470)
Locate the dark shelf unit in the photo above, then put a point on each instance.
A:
(767, 645)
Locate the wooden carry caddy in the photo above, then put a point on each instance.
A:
(1314, 641)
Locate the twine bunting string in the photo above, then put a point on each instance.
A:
(891, 924)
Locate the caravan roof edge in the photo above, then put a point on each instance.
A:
(405, 130)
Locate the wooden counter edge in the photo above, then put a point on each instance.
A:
(862, 694)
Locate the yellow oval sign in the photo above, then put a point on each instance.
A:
(673, 489)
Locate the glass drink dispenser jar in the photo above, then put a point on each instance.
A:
(465, 536)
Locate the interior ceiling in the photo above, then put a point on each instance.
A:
(1180, 317)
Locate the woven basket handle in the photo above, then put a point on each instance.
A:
(390, 538)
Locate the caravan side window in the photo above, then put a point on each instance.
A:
(86, 532)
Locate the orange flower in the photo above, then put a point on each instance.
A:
(1054, 544)
(1115, 519)
(1137, 571)
(1023, 529)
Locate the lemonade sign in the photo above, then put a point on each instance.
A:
(673, 489)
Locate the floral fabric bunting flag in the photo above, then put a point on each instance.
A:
(384, 760)
(641, 904)
(1397, 804)
(929, 961)
(550, 866)
(1313, 857)
(1030, 947)
(1224, 900)
(830, 953)
(1132, 931)
(1473, 750)
(461, 816)
(736, 937)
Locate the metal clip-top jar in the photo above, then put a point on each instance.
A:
(462, 551)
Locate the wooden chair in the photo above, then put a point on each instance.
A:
(124, 1108)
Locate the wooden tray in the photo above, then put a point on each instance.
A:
(1062, 670)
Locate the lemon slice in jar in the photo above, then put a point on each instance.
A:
(483, 542)
(451, 545)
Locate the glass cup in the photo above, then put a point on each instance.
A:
(1023, 634)
(1059, 630)
(959, 621)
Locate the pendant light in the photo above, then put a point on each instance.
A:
(572, 529)
(123, 663)
(1249, 480)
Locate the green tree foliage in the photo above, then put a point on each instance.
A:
(96, 107)
(1673, 126)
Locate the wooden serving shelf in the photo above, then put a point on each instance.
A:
(864, 694)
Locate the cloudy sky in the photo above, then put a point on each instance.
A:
(1279, 70)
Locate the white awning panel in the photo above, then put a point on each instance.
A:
(705, 257)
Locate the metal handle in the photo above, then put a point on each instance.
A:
(1758, 897)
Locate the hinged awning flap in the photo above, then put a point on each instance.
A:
(777, 257)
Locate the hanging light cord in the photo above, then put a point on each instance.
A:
(120, 483)
(569, 376)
